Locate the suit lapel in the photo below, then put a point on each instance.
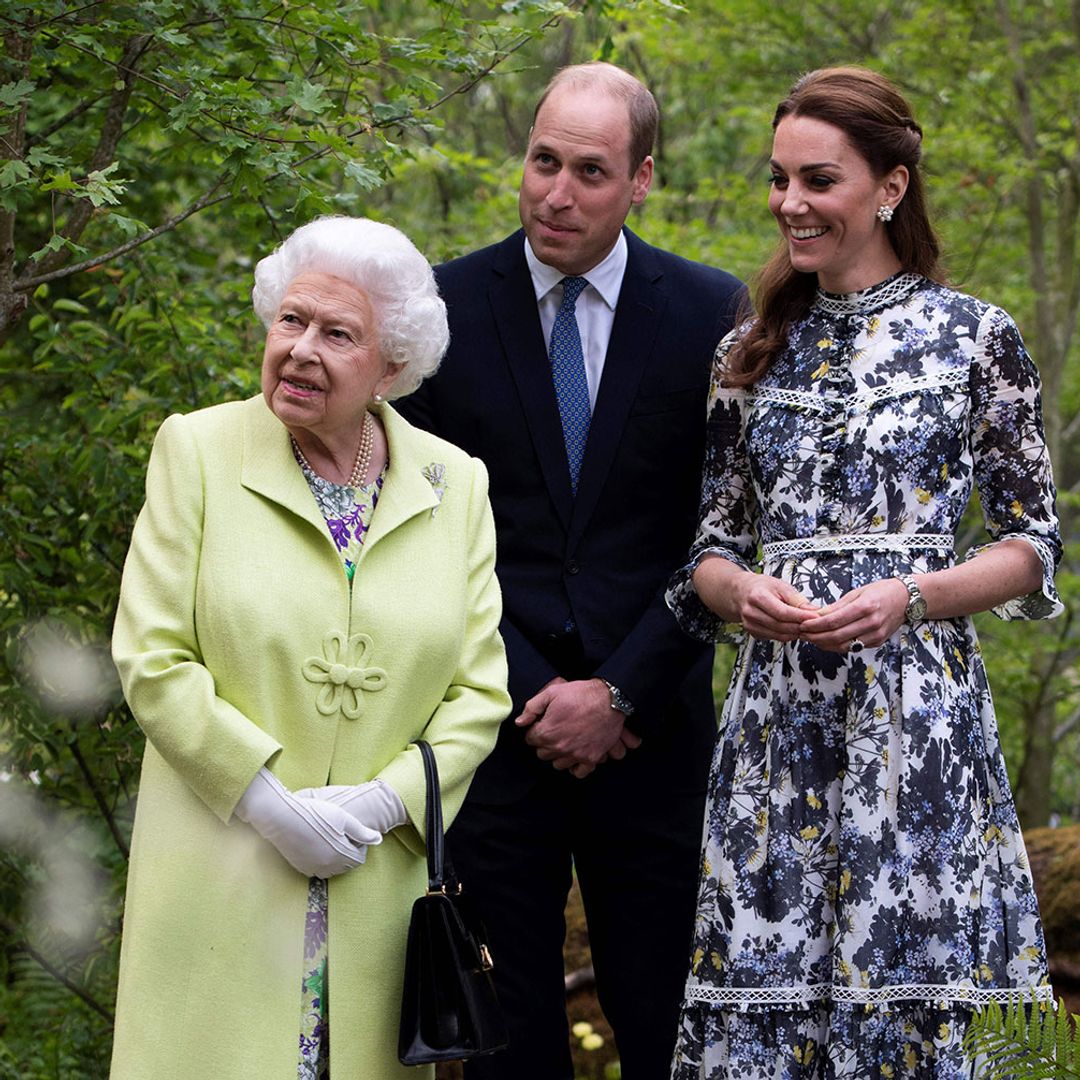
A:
(633, 337)
(513, 305)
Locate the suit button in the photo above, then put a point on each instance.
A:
(572, 567)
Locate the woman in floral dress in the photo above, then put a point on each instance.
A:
(864, 883)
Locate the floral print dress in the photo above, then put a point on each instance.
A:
(864, 882)
(348, 513)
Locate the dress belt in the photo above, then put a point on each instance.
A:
(809, 545)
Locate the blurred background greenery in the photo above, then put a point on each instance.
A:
(151, 152)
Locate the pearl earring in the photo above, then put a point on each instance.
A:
(885, 212)
(378, 399)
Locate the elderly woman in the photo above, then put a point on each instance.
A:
(309, 589)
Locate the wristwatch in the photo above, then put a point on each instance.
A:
(916, 607)
(619, 700)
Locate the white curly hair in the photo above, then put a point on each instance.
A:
(382, 262)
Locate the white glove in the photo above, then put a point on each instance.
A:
(374, 804)
(316, 837)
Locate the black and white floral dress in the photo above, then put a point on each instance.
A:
(864, 882)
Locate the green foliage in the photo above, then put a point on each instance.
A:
(117, 121)
(1026, 1041)
(151, 151)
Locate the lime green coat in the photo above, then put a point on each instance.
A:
(239, 643)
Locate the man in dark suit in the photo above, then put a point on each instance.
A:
(578, 371)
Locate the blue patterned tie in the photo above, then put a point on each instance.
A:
(568, 374)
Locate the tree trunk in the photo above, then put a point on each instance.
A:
(14, 65)
(1033, 785)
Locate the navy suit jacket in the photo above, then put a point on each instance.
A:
(598, 562)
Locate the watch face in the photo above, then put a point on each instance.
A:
(916, 610)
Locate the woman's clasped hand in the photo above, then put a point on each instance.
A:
(317, 837)
(770, 608)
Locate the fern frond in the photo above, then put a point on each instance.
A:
(1028, 1041)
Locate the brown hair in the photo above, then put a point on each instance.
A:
(877, 121)
(609, 79)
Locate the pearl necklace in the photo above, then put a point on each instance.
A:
(363, 454)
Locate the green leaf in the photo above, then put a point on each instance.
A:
(174, 37)
(365, 178)
(59, 182)
(128, 226)
(387, 111)
(40, 155)
(309, 96)
(55, 243)
(13, 94)
(13, 172)
(73, 306)
(100, 190)
(1028, 1041)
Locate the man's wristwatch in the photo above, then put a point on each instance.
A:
(916, 608)
(619, 700)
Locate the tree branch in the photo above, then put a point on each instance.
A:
(1070, 723)
(211, 198)
(108, 140)
(18, 941)
(500, 58)
(99, 798)
(17, 50)
(67, 118)
(1052, 361)
(52, 272)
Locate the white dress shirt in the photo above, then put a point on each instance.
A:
(595, 308)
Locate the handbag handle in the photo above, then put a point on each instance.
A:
(441, 877)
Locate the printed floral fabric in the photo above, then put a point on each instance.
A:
(348, 513)
(864, 882)
(315, 1015)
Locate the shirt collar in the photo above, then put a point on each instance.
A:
(605, 277)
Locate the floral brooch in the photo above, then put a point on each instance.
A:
(435, 475)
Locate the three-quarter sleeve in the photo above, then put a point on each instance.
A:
(1011, 459)
(727, 514)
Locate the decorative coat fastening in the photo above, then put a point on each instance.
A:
(342, 673)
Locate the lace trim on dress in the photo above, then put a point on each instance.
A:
(807, 545)
(821, 402)
(864, 995)
(885, 294)
(778, 395)
(954, 380)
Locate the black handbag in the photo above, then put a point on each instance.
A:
(449, 1011)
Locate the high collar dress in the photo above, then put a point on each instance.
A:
(864, 883)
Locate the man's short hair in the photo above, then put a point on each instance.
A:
(608, 79)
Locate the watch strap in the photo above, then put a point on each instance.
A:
(916, 606)
(619, 700)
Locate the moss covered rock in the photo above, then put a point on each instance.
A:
(1055, 865)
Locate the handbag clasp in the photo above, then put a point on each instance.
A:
(442, 890)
